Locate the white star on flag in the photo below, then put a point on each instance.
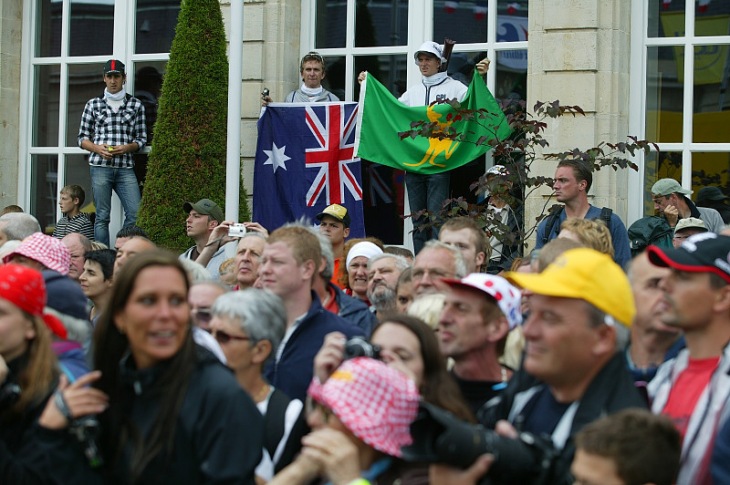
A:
(276, 157)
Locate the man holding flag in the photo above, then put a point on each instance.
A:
(427, 176)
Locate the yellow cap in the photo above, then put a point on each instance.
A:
(584, 274)
(336, 211)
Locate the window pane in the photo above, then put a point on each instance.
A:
(44, 189)
(464, 22)
(77, 172)
(711, 100)
(664, 94)
(147, 87)
(511, 20)
(45, 106)
(710, 169)
(48, 28)
(84, 82)
(511, 75)
(156, 21)
(331, 24)
(92, 27)
(381, 23)
(659, 165)
(713, 18)
(389, 70)
(666, 19)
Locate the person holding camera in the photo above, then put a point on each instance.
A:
(573, 373)
(210, 250)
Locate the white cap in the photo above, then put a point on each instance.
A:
(363, 248)
(432, 48)
(498, 170)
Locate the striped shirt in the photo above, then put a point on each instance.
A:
(79, 223)
(101, 125)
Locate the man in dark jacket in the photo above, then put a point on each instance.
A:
(713, 198)
(289, 264)
(573, 371)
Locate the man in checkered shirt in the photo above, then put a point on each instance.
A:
(112, 129)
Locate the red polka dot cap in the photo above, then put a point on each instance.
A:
(24, 287)
(375, 402)
(508, 297)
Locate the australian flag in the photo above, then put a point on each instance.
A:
(305, 161)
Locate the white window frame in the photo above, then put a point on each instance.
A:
(420, 28)
(637, 99)
(123, 48)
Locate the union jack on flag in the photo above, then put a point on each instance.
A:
(305, 161)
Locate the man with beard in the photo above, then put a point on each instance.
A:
(383, 273)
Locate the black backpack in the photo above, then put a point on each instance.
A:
(649, 230)
(554, 218)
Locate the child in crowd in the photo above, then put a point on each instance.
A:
(73, 220)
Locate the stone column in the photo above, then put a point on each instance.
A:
(579, 54)
(11, 19)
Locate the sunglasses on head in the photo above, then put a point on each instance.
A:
(223, 338)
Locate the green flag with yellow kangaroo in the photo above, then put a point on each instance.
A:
(382, 117)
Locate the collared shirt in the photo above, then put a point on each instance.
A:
(101, 125)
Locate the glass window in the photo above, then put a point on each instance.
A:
(331, 24)
(665, 18)
(463, 22)
(710, 169)
(381, 23)
(712, 18)
(664, 94)
(511, 20)
(92, 28)
(156, 21)
(48, 28)
(711, 101)
(511, 75)
(148, 77)
(44, 189)
(45, 106)
(85, 81)
(389, 70)
(77, 172)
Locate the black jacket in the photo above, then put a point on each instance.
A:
(610, 391)
(219, 434)
(21, 460)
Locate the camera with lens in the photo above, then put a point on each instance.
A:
(86, 430)
(440, 437)
(359, 347)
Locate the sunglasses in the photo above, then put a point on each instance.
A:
(223, 338)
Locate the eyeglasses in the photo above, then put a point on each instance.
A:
(659, 199)
(310, 406)
(202, 315)
(223, 338)
(433, 274)
(311, 56)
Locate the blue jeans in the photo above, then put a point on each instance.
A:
(426, 192)
(124, 183)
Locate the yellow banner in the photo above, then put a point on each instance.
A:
(710, 60)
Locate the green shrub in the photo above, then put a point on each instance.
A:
(188, 157)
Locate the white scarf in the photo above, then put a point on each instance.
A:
(115, 97)
(311, 92)
(435, 79)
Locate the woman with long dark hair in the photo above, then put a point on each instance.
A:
(168, 410)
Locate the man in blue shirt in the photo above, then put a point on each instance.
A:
(573, 179)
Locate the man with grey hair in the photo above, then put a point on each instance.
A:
(248, 257)
(383, 273)
(78, 245)
(16, 226)
(672, 202)
(332, 297)
(434, 262)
